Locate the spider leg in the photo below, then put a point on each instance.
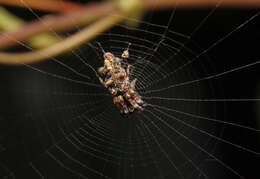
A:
(132, 85)
(128, 70)
(100, 79)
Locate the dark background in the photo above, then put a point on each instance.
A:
(241, 48)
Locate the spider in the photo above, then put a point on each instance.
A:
(116, 79)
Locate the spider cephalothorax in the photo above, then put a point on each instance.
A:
(116, 79)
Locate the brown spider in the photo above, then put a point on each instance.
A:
(116, 79)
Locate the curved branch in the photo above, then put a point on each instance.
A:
(45, 5)
(66, 45)
(57, 23)
(93, 30)
(93, 11)
(9, 22)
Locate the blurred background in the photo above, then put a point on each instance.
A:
(56, 128)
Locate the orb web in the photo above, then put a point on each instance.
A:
(197, 70)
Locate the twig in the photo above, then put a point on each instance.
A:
(57, 23)
(45, 5)
(93, 30)
(68, 44)
(10, 22)
(93, 11)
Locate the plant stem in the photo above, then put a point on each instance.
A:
(112, 16)
(93, 11)
(57, 23)
(10, 22)
(45, 5)
(68, 44)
